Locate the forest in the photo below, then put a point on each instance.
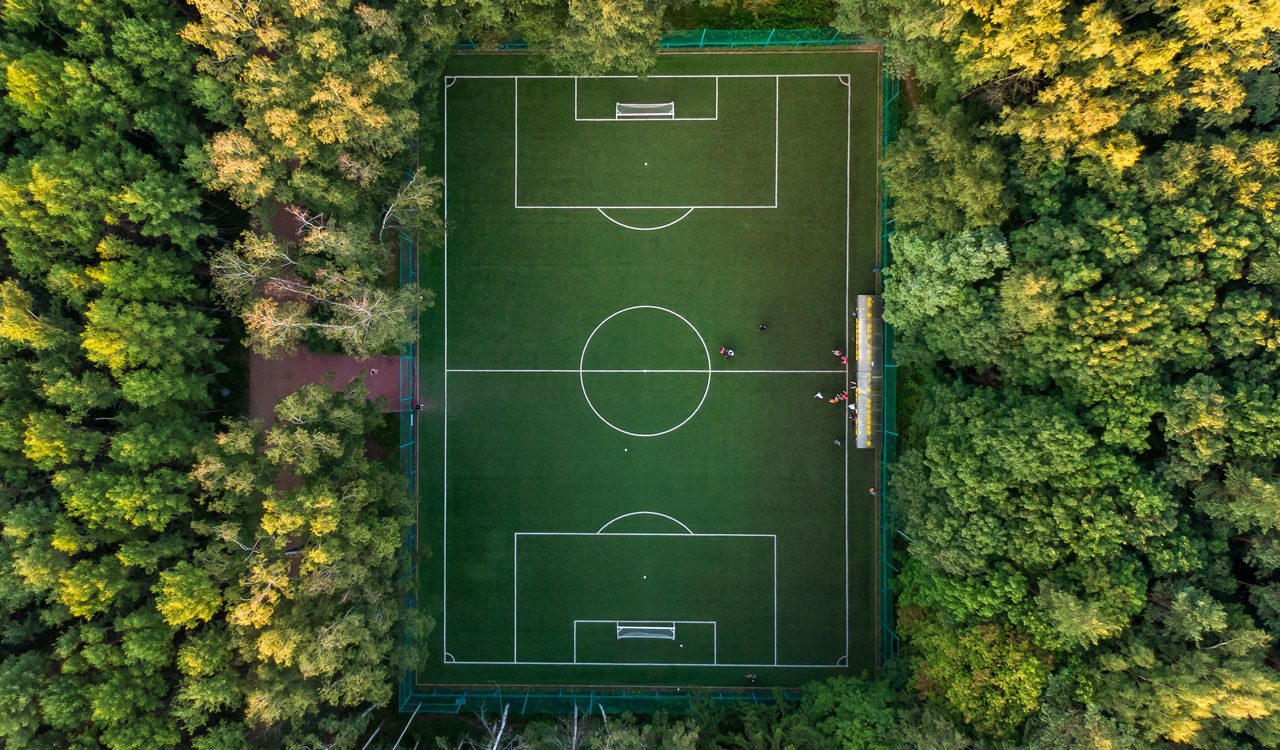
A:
(1085, 289)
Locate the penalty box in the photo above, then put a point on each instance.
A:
(645, 598)
(657, 143)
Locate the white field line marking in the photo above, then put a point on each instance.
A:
(650, 664)
(669, 75)
(715, 636)
(672, 519)
(776, 135)
(444, 475)
(570, 371)
(644, 118)
(849, 156)
(515, 141)
(632, 620)
(616, 118)
(447, 369)
(515, 599)
(682, 217)
(619, 208)
(777, 106)
(681, 534)
(582, 381)
(775, 600)
(577, 118)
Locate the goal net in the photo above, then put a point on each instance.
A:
(646, 630)
(661, 111)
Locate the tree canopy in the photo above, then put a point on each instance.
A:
(1084, 286)
(1082, 276)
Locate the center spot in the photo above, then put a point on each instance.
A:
(645, 371)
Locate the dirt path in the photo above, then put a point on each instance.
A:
(270, 380)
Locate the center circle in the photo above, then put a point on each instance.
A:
(630, 348)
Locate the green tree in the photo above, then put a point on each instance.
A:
(987, 676)
(855, 713)
(330, 283)
(591, 37)
(932, 295)
(308, 570)
(943, 178)
(316, 97)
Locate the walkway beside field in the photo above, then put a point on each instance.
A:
(270, 380)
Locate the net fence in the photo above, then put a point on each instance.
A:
(414, 697)
(702, 38)
(889, 641)
(713, 38)
(525, 701)
(408, 433)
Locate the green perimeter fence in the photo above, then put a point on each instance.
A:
(889, 640)
(414, 699)
(717, 39)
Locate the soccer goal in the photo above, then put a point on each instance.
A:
(645, 642)
(666, 631)
(654, 111)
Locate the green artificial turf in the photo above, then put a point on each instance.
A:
(588, 458)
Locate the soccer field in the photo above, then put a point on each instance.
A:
(606, 499)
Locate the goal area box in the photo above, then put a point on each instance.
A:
(612, 99)
(685, 642)
(606, 498)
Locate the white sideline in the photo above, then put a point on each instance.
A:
(848, 167)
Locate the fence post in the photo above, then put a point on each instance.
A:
(770, 37)
(702, 40)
